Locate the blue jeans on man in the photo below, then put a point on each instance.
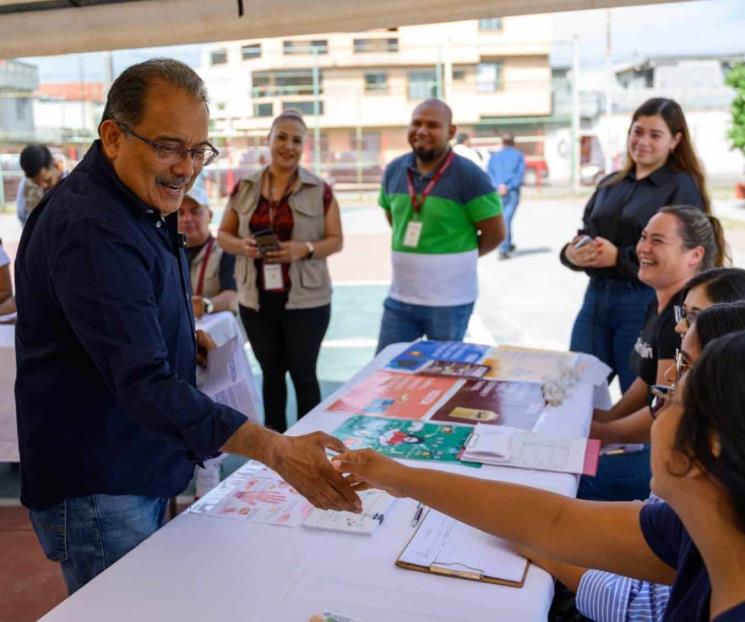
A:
(86, 535)
(404, 322)
(509, 207)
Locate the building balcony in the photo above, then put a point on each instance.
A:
(18, 76)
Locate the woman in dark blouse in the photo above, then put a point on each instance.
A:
(695, 541)
(661, 169)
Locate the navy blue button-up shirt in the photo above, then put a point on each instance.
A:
(105, 390)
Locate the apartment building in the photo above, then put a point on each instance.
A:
(357, 90)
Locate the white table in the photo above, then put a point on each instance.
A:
(200, 568)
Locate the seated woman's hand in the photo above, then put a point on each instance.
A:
(366, 468)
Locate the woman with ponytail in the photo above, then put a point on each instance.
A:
(661, 169)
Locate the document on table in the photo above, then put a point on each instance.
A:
(504, 446)
(375, 503)
(443, 545)
(528, 364)
(229, 379)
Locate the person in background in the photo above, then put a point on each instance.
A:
(7, 301)
(282, 223)
(42, 171)
(694, 540)
(661, 169)
(463, 148)
(210, 268)
(444, 215)
(506, 169)
(677, 243)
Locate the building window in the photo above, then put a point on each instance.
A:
(305, 108)
(493, 24)
(305, 46)
(264, 110)
(22, 109)
(252, 50)
(376, 82)
(488, 77)
(422, 84)
(290, 82)
(219, 57)
(459, 74)
(369, 46)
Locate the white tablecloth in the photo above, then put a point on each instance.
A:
(200, 568)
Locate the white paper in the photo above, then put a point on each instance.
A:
(273, 277)
(527, 450)
(527, 364)
(375, 503)
(229, 380)
(443, 542)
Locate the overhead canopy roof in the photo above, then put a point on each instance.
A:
(42, 27)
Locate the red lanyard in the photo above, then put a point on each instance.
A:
(273, 205)
(415, 202)
(200, 281)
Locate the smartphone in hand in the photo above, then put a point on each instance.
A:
(266, 241)
(583, 241)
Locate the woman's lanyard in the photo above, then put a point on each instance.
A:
(273, 205)
(416, 203)
(203, 267)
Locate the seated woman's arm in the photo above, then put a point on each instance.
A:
(581, 533)
(632, 400)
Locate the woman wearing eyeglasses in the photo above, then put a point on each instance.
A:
(661, 169)
(282, 223)
(708, 288)
(675, 245)
(694, 540)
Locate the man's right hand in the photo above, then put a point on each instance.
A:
(302, 463)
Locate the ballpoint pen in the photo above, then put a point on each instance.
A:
(417, 515)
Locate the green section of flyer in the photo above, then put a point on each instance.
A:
(406, 439)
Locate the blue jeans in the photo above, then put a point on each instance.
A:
(88, 534)
(624, 477)
(509, 207)
(404, 322)
(609, 323)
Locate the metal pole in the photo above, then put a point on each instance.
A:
(575, 114)
(316, 114)
(608, 95)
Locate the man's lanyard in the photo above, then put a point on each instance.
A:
(200, 280)
(415, 202)
(273, 205)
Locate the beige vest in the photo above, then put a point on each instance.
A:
(310, 283)
(211, 285)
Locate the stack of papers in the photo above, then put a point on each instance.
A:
(375, 503)
(504, 446)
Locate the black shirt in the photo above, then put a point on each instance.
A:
(620, 211)
(657, 340)
(227, 265)
(105, 350)
(689, 599)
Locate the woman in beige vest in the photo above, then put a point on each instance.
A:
(282, 223)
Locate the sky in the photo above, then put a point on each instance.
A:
(699, 27)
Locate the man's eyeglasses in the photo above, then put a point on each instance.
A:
(661, 394)
(201, 156)
(681, 313)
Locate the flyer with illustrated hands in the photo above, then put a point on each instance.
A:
(409, 440)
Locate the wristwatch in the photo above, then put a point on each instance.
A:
(311, 250)
(207, 305)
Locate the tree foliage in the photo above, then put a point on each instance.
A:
(736, 79)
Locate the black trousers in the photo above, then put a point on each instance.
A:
(286, 341)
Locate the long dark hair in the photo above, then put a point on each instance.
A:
(699, 229)
(721, 284)
(718, 320)
(683, 158)
(712, 428)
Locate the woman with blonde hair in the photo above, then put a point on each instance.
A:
(282, 223)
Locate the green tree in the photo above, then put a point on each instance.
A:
(736, 79)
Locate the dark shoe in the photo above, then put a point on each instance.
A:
(512, 248)
(503, 255)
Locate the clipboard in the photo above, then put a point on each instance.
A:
(439, 536)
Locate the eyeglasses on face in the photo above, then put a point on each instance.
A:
(201, 156)
(681, 313)
(661, 395)
(681, 365)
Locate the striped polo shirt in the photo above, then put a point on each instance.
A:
(441, 269)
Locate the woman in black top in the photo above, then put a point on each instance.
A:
(661, 169)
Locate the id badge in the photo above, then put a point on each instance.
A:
(273, 276)
(413, 233)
